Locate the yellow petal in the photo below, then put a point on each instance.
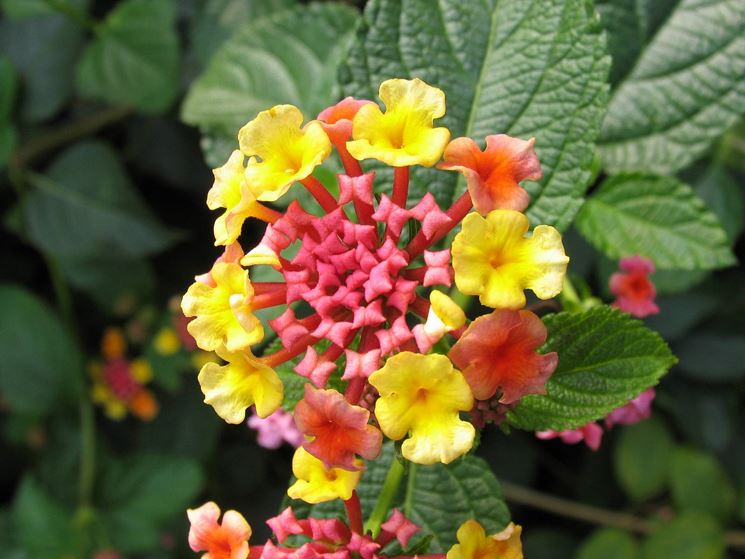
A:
(244, 381)
(280, 151)
(316, 483)
(404, 135)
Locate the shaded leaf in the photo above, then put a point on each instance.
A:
(700, 484)
(609, 544)
(689, 536)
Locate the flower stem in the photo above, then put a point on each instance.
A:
(354, 512)
(385, 499)
(319, 192)
(400, 186)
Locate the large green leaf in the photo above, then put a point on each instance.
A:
(606, 358)
(43, 527)
(287, 57)
(138, 495)
(440, 498)
(609, 543)
(657, 217)
(40, 360)
(523, 68)
(85, 206)
(134, 59)
(43, 50)
(642, 458)
(686, 88)
(218, 19)
(700, 484)
(689, 536)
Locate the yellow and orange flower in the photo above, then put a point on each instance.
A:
(404, 134)
(244, 381)
(225, 540)
(421, 396)
(222, 309)
(473, 543)
(494, 259)
(316, 483)
(493, 176)
(280, 151)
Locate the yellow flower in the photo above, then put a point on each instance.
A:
(223, 311)
(287, 152)
(473, 543)
(493, 259)
(166, 342)
(404, 134)
(316, 483)
(231, 389)
(230, 191)
(421, 395)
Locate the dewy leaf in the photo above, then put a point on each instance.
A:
(686, 88)
(439, 498)
(134, 59)
(606, 358)
(522, 68)
(657, 217)
(86, 206)
(40, 361)
(141, 493)
(43, 50)
(287, 57)
(642, 458)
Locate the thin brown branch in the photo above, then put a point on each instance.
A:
(592, 514)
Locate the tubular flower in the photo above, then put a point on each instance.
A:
(638, 409)
(494, 260)
(275, 429)
(444, 316)
(473, 543)
(231, 389)
(592, 434)
(338, 430)
(493, 176)
(230, 191)
(634, 290)
(223, 309)
(404, 135)
(225, 540)
(421, 395)
(497, 354)
(287, 152)
(316, 483)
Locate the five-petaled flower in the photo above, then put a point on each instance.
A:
(220, 540)
(634, 290)
(316, 483)
(473, 543)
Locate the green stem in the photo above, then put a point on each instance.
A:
(569, 297)
(385, 499)
(409, 500)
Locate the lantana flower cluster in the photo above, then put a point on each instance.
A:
(369, 278)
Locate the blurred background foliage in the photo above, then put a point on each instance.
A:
(111, 116)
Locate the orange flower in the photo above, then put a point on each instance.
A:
(473, 543)
(228, 540)
(497, 353)
(340, 430)
(493, 175)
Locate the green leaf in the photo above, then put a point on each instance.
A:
(218, 19)
(41, 362)
(606, 358)
(288, 57)
(86, 206)
(657, 217)
(8, 89)
(8, 138)
(609, 544)
(134, 59)
(43, 50)
(721, 192)
(440, 498)
(689, 536)
(42, 526)
(19, 9)
(642, 458)
(139, 494)
(523, 68)
(700, 484)
(681, 95)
